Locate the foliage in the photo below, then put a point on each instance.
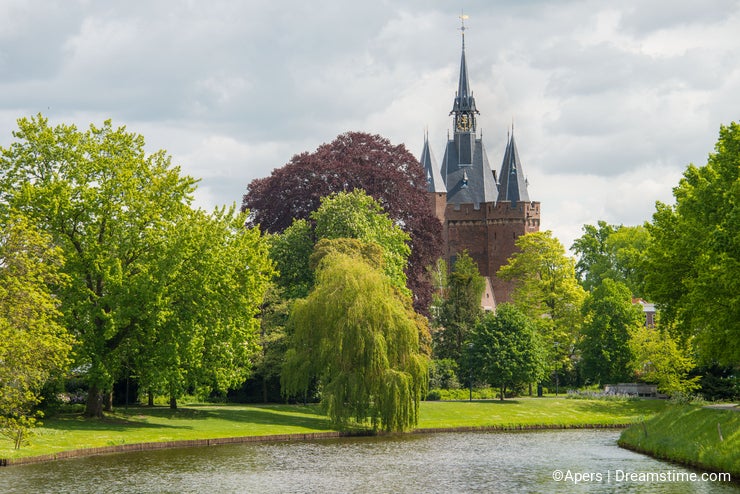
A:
(460, 311)
(658, 358)
(356, 215)
(693, 262)
(34, 346)
(505, 349)
(548, 292)
(388, 173)
(155, 286)
(290, 251)
(361, 340)
(208, 286)
(614, 252)
(443, 374)
(610, 319)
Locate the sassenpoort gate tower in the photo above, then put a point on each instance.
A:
(481, 212)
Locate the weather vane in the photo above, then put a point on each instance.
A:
(462, 26)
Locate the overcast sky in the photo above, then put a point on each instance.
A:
(610, 100)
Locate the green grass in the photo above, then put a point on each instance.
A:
(196, 421)
(689, 434)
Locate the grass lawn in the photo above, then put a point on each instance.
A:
(708, 438)
(200, 421)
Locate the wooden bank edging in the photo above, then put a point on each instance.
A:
(190, 443)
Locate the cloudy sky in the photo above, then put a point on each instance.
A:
(610, 100)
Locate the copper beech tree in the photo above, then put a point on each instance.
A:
(355, 160)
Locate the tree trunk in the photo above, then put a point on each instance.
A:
(94, 405)
(150, 398)
(173, 403)
(108, 401)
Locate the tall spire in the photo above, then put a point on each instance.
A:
(463, 108)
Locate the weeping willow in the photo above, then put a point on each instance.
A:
(358, 335)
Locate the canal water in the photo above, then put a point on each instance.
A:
(546, 461)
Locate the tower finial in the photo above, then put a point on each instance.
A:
(462, 26)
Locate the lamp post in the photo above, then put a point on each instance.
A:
(470, 370)
(557, 364)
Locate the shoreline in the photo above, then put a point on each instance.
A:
(308, 436)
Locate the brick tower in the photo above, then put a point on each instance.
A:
(483, 213)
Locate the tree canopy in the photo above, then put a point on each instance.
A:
(506, 350)
(610, 320)
(207, 284)
(390, 174)
(460, 310)
(34, 345)
(693, 262)
(360, 339)
(125, 225)
(614, 252)
(547, 291)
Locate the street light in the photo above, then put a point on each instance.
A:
(470, 369)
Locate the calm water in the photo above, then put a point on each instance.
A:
(449, 462)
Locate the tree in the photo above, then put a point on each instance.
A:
(34, 346)
(359, 216)
(610, 251)
(547, 291)
(693, 262)
(106, 204)
(207, 289)
(505, 349)
(390, 174)
(360, 339)
(460, 310)
(353, 215)
(657, 357)
(291, 250)
(610, 319)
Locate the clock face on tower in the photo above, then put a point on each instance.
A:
(464, 122)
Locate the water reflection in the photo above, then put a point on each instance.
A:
(452, 462)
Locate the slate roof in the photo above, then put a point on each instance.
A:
(472, 182)
(431, 169)
(512, 183)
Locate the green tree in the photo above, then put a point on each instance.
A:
(34, 346)
(206, 290)
(657, 357)
(106, 204)
(360, 339)
(357, 215)
(610, 251)
(506, 350)
(548, 292)
(693, 262)
(610, 319)
(290, 250)
(460, 311)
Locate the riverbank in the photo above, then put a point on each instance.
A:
(702, 437)
(200, 424)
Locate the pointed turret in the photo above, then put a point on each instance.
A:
(431, 169)
(512, 183)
